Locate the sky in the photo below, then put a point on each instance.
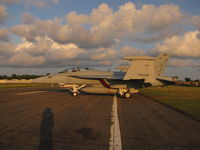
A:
(43, 36)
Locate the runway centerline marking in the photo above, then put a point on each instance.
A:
(33, 92)
(115, 135)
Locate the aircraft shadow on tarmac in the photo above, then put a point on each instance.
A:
(46, 127)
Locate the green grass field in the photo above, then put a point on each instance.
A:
(18, 85)
(184, 99)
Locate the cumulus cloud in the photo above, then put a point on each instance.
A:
(196, 22)
(103, 54)
(6, 49)
(4, 35)
(51, 51)
(27, 18)
(93, 38)
(9, 1)
(41, 52)
(187, 45)
(75, 19)
(44, 51)
(131, 51)
(35, 27)
(3, 14)
(184, 63)
(39, 3)
(25, 60)
(104, 27)
(36, 3)
(27, 31)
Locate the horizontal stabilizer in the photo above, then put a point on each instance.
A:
(130, 58)
(123, 68)
(167, 79)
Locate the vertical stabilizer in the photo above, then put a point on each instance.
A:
(146, 67)
(160, 63)
(141, 67)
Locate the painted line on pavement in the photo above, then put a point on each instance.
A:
(115, 135)
(34, 92)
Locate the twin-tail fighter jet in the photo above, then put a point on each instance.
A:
(143, 71)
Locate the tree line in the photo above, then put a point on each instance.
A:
(14, 76)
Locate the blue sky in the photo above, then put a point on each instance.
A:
(43, 36)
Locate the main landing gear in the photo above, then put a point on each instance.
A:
(124, 93)
(127, 95)
(75, 94)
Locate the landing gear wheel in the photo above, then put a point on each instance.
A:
(127, 95)
(74, 94)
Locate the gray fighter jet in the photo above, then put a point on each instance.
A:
(143, 71)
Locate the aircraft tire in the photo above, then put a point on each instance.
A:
(127, 95)
(75, 94)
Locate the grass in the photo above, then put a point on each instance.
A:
(184, 99)
(18, 85)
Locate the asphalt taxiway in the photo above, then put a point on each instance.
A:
(50, 118)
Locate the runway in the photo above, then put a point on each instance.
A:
(50, 118)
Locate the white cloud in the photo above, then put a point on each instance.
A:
(48, 48)
(93, 38)
(187, 45)
(27, 18)
(4, 34)
(40, 3)
(6, 49)
(41, 52)
(9, 1)
(36, 3)
(103, 54)
(75, 19)
(3, 14)
(27, 31)
(25, 60)
(105, 27)
(184, 63)
(131, 51)
(196, 22)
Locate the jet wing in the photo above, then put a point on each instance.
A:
(111, 76)
(166, 79)
(98, 77)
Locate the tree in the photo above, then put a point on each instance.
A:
(14, 76)
(176, 77)
(187, 79)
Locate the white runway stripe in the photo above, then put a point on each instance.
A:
(115, 135)
(34, 92)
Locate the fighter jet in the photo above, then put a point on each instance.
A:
(143, 71)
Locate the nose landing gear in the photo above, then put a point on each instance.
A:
(74, 88)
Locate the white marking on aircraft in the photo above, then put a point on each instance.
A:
(34, 92)
(115, 135)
